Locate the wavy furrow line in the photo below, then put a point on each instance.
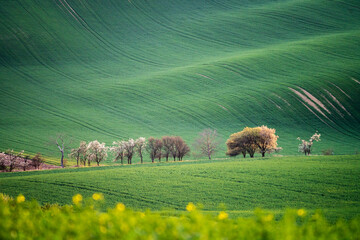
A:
(111, 48)
(117, 49)
(58, 113)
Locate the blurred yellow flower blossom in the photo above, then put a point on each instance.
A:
(223, 215)
(191, 207)
(103, 229)
(77, 199)
(120, 207)
(268, 218)
(301, 213)
(97, 196)
(20, 198)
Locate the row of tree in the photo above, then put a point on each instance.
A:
(248, 141)
(10, 160)
(165, 147)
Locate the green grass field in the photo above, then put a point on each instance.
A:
(110, 69)
(330, 183)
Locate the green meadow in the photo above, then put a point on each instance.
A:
(329, 183)
(111, 70)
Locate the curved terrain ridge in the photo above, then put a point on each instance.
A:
(116, 69)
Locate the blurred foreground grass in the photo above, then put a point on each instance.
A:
(21, 219)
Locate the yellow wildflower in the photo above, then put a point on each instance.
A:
(103, 229)
(301, 213)
(223, 215)
(97, 196)
(120, 207)
(191, 207)
(77, 199)
(268, 218)
(20, 198)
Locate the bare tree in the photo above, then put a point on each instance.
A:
(37, 160)
(159, 146)
(151, 149)
(140, 145)
(207, 142)
(173, 150)
(62, 142)
(168, 146)
(154, 148)
(181, 148)
(184, 151)
(129, 149)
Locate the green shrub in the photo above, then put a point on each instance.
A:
(328, 151)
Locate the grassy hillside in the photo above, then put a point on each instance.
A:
(330, 183)
(111, 69)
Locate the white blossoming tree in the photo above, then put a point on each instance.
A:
(97, 152)
(62, 142)
(79, 153)
(118, 149)
(207, 142)
(129, 149)
(305, 146)
(140, 146)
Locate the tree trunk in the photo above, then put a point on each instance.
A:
(97, 163)
(244, 154)
(62, 159)
(263, 154)
(141, 159)
(209, 155)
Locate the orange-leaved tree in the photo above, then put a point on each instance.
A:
(251, 140)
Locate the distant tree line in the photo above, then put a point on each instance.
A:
(157, 148)
(246, 142)
(10, 161)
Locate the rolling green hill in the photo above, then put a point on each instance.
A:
(110, 69)
(330, 183)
